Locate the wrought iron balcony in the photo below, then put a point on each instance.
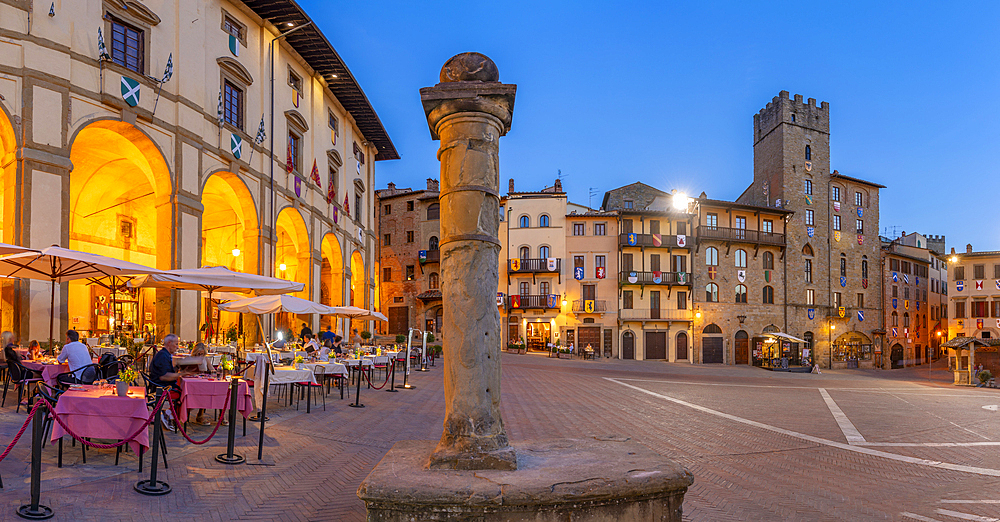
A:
(654, 314)
(649, 278)
(740, 235)
(529, 266)
(600, 305)
(543, 301)
(433, 256)
(648, 240)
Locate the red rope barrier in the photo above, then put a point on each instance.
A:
(369, 379)
(218, 424)
(105, 446)
(21, 432)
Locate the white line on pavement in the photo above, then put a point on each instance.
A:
(903, 391)
(818, 440)
(921, 518)
(946, 501)
(966, 516)
(850, 432)
(928, 444)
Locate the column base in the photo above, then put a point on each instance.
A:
(502, 459)
(584, 480)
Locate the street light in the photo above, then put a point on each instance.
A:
(680, 201)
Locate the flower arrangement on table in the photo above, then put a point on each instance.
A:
(226, 363)
(128, 374)
(298, 359)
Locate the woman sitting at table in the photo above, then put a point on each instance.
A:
(34, 350)
(338, 345)
(324, 353)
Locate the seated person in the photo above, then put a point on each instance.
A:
(204, 365)
(338, 345)
(34, 350)
(162, 373)
(311, 344)
(324, 352)
(77, 355)
(279, 344)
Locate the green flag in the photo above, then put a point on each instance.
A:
(234, 45)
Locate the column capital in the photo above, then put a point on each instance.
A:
(470, 82)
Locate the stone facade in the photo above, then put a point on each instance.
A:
(592, 243)
(836, 217)
(907, 282)
(409, 224)
(85, 168)
(974, 294)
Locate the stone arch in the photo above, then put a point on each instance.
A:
(228, 222)
(712, 329)
(807, 250)
(681, 346)
(119, 206)
(8, 174)
(292, 250)
(628, 344)
(358, 287)
(331, 275)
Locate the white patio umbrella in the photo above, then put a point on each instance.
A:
(14, 249)
(269, 304)
(372, 316)
(215, 279)
(58, 265)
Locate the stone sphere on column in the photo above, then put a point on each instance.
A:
(469, 67)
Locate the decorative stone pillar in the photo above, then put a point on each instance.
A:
(468, 111)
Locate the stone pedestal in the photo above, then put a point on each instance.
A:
(583, 480)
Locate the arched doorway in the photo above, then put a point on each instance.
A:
(896, 356)
(682, 346)
(358, 288)
(628, 345)
(229, 235)
(8, 171)
(711, 344)
(293, 260)
(120, 207)
(331, 278)
(742, 348)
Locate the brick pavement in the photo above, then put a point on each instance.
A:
(742, 472)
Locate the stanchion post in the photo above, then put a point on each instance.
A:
(34, 511)
(152, 486)
(228, 457)
(357, 393)
(392, 382)
(423, 354)
(263, 410)
(406, 366)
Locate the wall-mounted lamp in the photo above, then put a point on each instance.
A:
(282, 267)
(741, 318)
(833, 326)
(697, 314)
(564, 301)
(236, 252)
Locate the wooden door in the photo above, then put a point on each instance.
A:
(682, 346)
(399, 320)
(628, 346)
(654, 305)
(589, 335)
(711, 350)
(656, 345)
(742, 355)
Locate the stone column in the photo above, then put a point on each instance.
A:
(468, 111)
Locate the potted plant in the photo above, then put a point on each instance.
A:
(125, 378)
(564, 353)
(984, 377)
(232, 333)
(365, 336)
(400, 339)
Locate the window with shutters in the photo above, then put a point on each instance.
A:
(682, 300)
(600, 261)
(906, 292)
(128, 45)
(386, 239)
(678, 263)
(544, 288)
(654, 226)
(861, 300)
(600, 229)
(835, 193)
(995, 312)
(654, 262)
(712, 221)
(741, 294)
(767, 226)
(579, 229)
(711, 256)
(895, 291)
(837, 300)
(386, 210)
(906, 319)
(682, 228)
(525, 288)
(627, 263)
(959, 310)
(768, 261)
(409, 206)
(543, 252)
(358, 206)
(627, 300)
(543, 220)
(810, 296)
(387, 275)
(894, 265)
(433, 212)
(626, 226)
(409, 236)
(768, 295)
(996, 271)
(741, 258)
(895, 319)
(578, 262)
(525, 252)
(959, 273)
(979, 271)
(979, 309)
(712, 293)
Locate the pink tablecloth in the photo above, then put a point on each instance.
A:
(198, 392)
(101, 414)
(49, 371)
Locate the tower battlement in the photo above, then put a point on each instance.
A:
(782, 109)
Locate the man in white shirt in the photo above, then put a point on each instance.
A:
(78, 356)
(311, 347)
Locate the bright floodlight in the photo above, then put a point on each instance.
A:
(236, 252)
(279, 335)
(282, 267)
(680, 201)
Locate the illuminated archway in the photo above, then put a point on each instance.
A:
(119, 207)
(8, 170)
(358, 287)
(229, 233)
(293, 259)
(331, 285)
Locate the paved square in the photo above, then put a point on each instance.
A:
(846, 445)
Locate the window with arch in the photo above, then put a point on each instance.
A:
(768, 295)
(525, 252)
(843, 265)
(543, 220)
(807, 250)
(809, 154)
(809, 270)
(712, 293)
(432, 243)
(543, 252)
(711, 256)
(741, 258)
(741, 294)
(433, 281)
(433, 211)
(906, 319)
(712, 329)
(864, 267)
(768, 261)
(524, 222)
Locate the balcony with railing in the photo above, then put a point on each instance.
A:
(647, 240)
(433, 256)
(580, 305)
(740, 235)
(654, 314)
(650, 278)
(539, 301)
(531, 266)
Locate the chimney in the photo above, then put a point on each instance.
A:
(952, 250)
(557, 186)
(510, 186)
(968, 248)
(391, 187)
(433, 185)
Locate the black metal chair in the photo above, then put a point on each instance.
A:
(21, 377)
(307, 387)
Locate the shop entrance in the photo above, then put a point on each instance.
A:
(589, 335)
(656, 345)
(742, 347)
(539, 335)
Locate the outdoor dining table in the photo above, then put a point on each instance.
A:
(49, 368)
(210, 393)
(282, 375)
(117, 351)
(98, 412)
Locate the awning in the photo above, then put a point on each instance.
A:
(786, 337)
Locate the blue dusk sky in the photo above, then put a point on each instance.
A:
(665, 92)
